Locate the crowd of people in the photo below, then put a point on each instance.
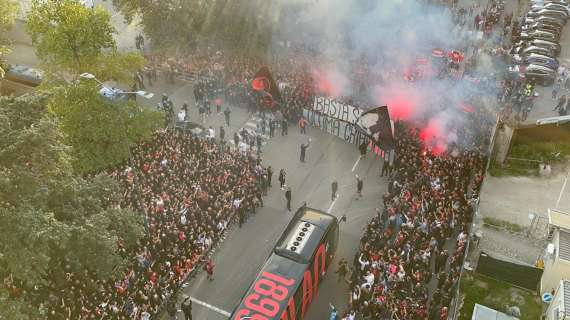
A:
(187, 190)
(408, 242)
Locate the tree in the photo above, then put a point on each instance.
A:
(48, 215)
(71, 39)
(238, 25)
(99, 130)
(8, 10)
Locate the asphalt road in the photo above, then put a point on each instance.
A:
(241, 255)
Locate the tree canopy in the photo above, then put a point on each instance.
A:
(8, 10)
(50, 217)
(237, 25)
(100, 131)
(71, 38)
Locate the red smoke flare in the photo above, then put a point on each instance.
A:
(433, 137)
(325, 85)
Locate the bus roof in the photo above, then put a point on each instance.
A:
(303, 234)
(292, 265)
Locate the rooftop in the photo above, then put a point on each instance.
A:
(564, 245)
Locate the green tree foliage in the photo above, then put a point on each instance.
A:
(8, 10)
(99, 130)
(238, 25)
(71, 38)
(50, 217)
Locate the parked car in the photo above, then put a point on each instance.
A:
(545, 19)
(539, 34)
(196, 129)
(537, 59)
(553, 46)
(524, 51)
(542, 26)
(540, 74)
(563, 15)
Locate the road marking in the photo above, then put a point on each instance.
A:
(356, 163)
(211, 307)
(562, 189)
(332, 204)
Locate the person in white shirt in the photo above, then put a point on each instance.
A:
(211, 133)
(181, 116)
(369, 277)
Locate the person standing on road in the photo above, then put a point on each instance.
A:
(209, 267)
(271, 128)
(187, 308)
(304, 148)
(284, 127)
(303, 125)
(334, 187)
(236, 139)
(288, 198)
(222, 133)
(227, 115)
(359, 185)
(269, 175)
(363, 147)
(282, 175)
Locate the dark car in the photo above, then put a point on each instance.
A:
(563, 15)
(553, 46)
(192, 127)
(540, 74)
(537, 59)
(533, 49)
(545, 19)
(542, 26)
(539, 34)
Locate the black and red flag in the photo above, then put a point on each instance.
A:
(264, 84)
(376, 124)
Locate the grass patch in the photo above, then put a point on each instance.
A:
(496, 295)
(545, 152)
(502, 224)
(541, 151)
(510, 170)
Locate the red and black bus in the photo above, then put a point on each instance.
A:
(289, 279)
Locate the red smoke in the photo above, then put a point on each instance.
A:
(433, 137)
(325, 85)
(403, 101)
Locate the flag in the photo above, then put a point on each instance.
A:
(263, 83)
(377, 126)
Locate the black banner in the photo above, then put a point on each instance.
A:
(377, 126)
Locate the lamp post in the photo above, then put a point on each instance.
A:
(112, 93)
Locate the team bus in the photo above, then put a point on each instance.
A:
(289, 279)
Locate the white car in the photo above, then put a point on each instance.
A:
(551, 6)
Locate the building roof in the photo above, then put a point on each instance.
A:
(481, 312)
(564, 245)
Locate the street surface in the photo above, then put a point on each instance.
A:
(244, 251)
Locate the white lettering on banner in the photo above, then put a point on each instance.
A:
(336, 109)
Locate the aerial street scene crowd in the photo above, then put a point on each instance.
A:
(286, 159)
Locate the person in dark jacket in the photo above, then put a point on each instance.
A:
(304, 147)
(187, 308)
(334, 187)
(288, 198)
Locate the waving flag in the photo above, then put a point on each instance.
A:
(376, 124)
(263, 83)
